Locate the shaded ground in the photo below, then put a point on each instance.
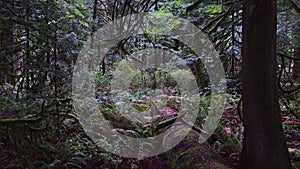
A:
(73, 149)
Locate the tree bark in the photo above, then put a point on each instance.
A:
(6, 43)
(296, 68)
(264, 145)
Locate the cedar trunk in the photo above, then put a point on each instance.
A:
(264, 145)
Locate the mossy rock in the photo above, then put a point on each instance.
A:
(187, 154)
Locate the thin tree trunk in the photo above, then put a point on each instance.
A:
(264, 145)
(296, 68)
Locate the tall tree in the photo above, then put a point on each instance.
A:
(296, 69)
(6, 47)
(264, 145)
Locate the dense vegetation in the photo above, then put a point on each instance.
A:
(39, 44)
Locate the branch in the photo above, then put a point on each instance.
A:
(217, 19)
(26, 119)
(16, 120)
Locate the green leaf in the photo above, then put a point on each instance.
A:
(83, 23)
(77, 12)
(79, 2)
(213, 9)
(71, 16)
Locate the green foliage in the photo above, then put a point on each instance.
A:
(11, 107)
(213, 9)
(182, 76)
(40, 41)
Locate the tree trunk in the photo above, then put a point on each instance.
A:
(264, 145)
(296, 68)
(6, 43)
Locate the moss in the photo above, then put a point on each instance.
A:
(191, 154)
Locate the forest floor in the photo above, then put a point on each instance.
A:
(222, 149)
(75, 150)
